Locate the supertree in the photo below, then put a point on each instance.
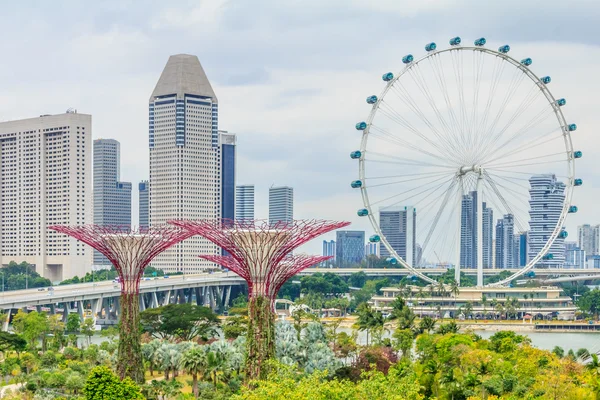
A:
(129, 251)
(260, 252)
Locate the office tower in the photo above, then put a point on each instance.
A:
(505, 242)
(112, 198)
(281, 204)
(46, 179)
(575, 257)
(468, 231)
(371, 249)
(185, 178)
(144, 215)
(522, 249)
(244, 202)
(399, 226)
(227, 141)
(329, 248)
(349, 248)
(547, 196)
(588, 239)
(488, 236)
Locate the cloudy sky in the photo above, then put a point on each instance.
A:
(291, 76)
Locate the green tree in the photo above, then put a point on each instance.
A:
(32, 326)
(403, 341)
(357, 279)
(590, 303)
(402, 313)
(88, 328)
(235, 326)
(194, 362)
(427, 324)
(103, 384)
(73, 323)
(12, 341)
(183, 321)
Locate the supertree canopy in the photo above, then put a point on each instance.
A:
(260, 252)
(129, 251)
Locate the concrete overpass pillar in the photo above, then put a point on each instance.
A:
(80, 310)
(154, 300)
(227, 295)
(142, 302)
(167, 298)
(6, 320)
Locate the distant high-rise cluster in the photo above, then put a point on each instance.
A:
(399, 226)
(281, 204)
(112, 198)
(46, 179)
(329, 248)
(349, 248)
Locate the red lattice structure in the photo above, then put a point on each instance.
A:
(129, 251)
(260, 252)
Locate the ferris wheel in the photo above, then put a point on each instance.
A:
(466, 160)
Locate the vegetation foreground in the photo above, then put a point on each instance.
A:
(189, 354)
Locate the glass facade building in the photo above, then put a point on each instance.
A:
(244, 202)
(399, 226)
(281, 204)
(143, 210)
(349, 248)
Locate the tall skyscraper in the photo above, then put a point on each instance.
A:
(588, 239)
(112, 198)
(46, 180)
(399, 226)
(349, 248)
(468, 231)
(244, 202)
(281, 204)
(185, 178)
(547, 196)
(505, 242)
(488, 236)
(227, 141)
(144, 215)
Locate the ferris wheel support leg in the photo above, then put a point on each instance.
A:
(458, 238)
(480, 230)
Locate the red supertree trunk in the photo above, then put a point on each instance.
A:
(130, 252)
(260, 253)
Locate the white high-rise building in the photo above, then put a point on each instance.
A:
(399, 226)
(547, 196)
(588, 239)
(281, 204)
(185, 179)
(244, 202)
(46, 179)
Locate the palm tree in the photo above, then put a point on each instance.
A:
(420, 296)
(455, 290)
(442, 291)
(431, 293)
(469, 308)
(484, 303)
(194, 363)
(149, 353)
(494, 304)
(499, 308)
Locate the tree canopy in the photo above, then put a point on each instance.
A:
(183, 321)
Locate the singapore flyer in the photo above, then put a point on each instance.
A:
(469, 149)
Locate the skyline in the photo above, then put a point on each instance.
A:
(304, 82)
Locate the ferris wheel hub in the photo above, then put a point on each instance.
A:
(478, 169)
